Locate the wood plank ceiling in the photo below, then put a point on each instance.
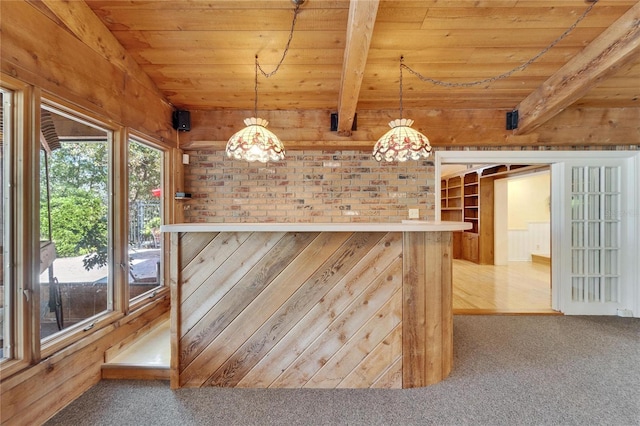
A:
(344, 57)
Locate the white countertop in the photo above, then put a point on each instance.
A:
(406, 225)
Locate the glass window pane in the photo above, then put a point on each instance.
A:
(5, 289)
(74, 222)
(145, 217)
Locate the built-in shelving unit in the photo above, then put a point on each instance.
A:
(468, 196)
(471, 200)
(451, 199)
(451, 206)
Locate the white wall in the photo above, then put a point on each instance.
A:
(529, 215)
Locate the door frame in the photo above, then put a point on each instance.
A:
(551, 157)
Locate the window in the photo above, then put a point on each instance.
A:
(73, 257)
(75, 224)
(145, 217)
(5, 287)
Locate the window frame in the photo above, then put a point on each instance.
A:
(28, 348)
(51, 344)
(163, 289)
(23, 119)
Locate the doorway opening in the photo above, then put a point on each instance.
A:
(594, 201)
(502, 265)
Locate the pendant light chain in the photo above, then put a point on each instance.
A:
(510, 72)
(286, 49)
(401, 64)
(284, 55)
(255, 105)
(255, 142)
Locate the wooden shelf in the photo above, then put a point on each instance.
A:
(452, 203)
(465, 190)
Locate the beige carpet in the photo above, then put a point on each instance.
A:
(508, 370)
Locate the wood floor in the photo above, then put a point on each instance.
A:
(516, 288)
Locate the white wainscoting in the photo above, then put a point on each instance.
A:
(535, 239)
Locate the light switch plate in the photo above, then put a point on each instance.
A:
(414, 213)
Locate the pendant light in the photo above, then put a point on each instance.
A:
(401, 143)
(255, 142)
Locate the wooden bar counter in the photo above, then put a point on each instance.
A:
(357, 305)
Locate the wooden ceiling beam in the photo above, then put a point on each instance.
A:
(616, 46)
(362, 17)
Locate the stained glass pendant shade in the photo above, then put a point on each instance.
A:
(401, 143)
(255, 143)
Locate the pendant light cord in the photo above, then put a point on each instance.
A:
(510, 72)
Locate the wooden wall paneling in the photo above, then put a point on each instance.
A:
(173, 181)
(236, 291)
(460, 127)
(208, 260)
(342, 328)
(323, 314)
(375, 365)
(295, 308)
(261, 308)
(61, 64)
(191, 244)
(325, 310)
(414, 321)
(433, 315)
(353, 353)
(445, 254)
(426, 323)
(225, 275)
(176, 249)
(392, 377)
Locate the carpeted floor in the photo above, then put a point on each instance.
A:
(508, 370)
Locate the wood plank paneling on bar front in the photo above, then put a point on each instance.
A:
(375, 366)
(413, 321)
(208, 259)
(353, 352)
(236, 298)
(250, 319)
(226, 274)
(427, 323)
(294, 308)
(363, 307)
(320, 310)
(191, 244)
(323, 313)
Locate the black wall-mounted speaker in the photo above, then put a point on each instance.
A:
(512, 120)
(182, 120)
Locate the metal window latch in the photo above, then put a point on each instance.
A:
(89, 327)
(27, 294)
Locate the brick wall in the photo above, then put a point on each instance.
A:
(309, 186)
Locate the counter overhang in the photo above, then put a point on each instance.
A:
(405, 226)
